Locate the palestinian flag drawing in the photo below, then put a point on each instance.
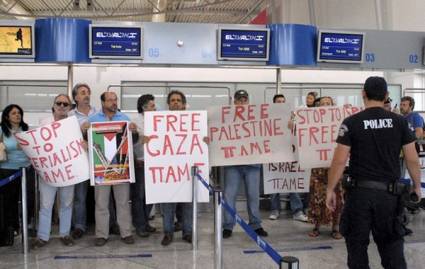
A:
(111, 153)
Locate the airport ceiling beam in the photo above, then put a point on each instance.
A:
(15, 8)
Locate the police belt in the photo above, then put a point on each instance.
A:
(396, 188)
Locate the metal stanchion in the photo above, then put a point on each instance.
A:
(289, 262)
(218, 248)
(195, 208)
(24, 211)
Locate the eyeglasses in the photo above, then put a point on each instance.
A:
(62, 104)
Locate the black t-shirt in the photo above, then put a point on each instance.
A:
(376, 137)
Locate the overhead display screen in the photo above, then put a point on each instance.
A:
(16, 41)
(340, 47)
(243, 44)
(116, 42)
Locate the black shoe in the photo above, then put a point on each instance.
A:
(168, 238)
(178, 227)
(129, 240)
(77, 233)
(142, 233)
(187, 238)
(150, 229)
(261, 232)
(227, 233)
(67, 241)
(100, 241)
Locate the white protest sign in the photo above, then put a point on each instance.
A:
(249, 134)
(176, 144)
(56, 152)
(316, 132)
(285, 178)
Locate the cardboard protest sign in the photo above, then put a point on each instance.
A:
(176, 144)
(111, 153)
(285, 178)
(249, 134)
(56, 152)
(316, 132)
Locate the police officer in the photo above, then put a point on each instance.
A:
(373, 139)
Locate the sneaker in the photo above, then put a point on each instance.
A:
(100, 241)
(261, 232)
(300, 216)
(187, 238)
(168, 238)
(129, 240)
(77, 233)
(274, 215)
(227, 233)
(67, 241)
(38, 243)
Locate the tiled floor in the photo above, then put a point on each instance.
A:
(285, 235)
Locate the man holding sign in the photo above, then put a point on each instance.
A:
(250, 175)
(102, 193)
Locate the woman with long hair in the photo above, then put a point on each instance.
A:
(12, 121)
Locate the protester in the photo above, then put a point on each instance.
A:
(176, 101)
(250, 175)
(12, 121)
(295, 201)
(83, 110)
(121, 192)
(60, 109)
(318, 214)
(310, 99)
(139, 209)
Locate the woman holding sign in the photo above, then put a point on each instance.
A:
(318, 213)
(11, 123)
(60, 109)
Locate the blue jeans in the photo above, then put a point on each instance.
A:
(295, 202)
(169, 210)
(139, 209)
(233, 176)
(47, 199)
(80, 209)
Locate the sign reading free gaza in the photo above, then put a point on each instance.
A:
(176, 144)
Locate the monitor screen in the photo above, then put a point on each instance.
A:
(116, 42)
(243, 44)
(345, 47)
(17, 41)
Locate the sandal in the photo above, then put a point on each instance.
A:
(336, 235)
(314, 233)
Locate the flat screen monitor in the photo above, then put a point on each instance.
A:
(17, 41)
(341, 47)
(243, 44)
(115, 42)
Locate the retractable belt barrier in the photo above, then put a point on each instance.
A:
(292, 262)
(10, 178)
(409, 182)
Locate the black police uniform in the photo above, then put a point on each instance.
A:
(376, 137)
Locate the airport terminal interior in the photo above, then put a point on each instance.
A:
(190, 46)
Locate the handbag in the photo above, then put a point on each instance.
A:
(3, 154)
